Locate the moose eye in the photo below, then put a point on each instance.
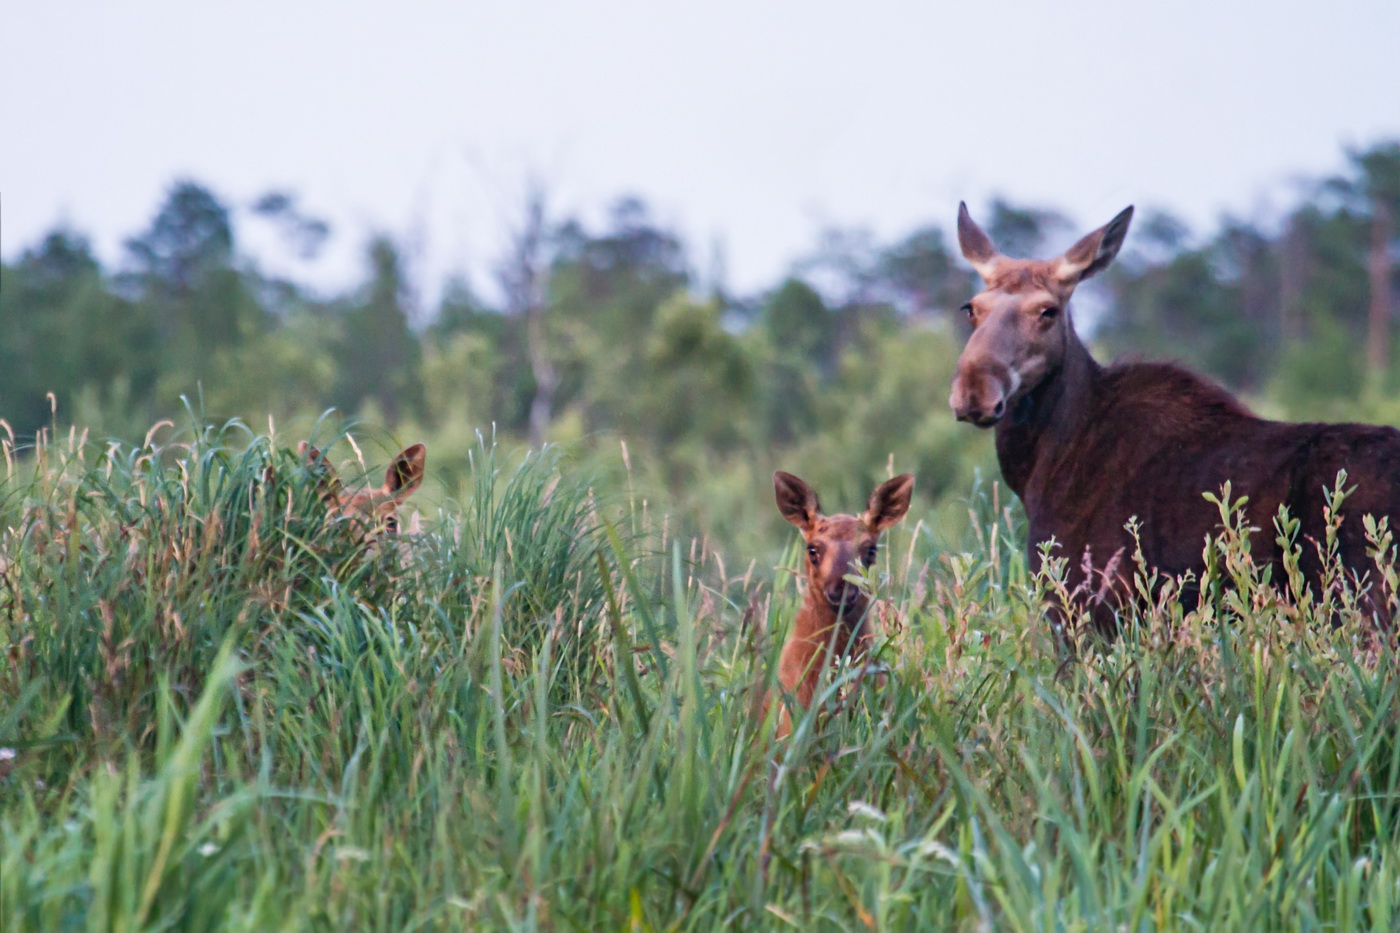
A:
(967, 309)
(812, 552)
(870, 553)
(1050, 313)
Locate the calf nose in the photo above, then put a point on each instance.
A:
(842, 592)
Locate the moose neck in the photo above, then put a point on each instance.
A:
(818, 623)
(817, 616)
(1042, 423)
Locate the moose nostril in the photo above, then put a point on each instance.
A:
(999, 409)
(843, 593)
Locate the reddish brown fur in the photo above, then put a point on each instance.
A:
(833, 620)
(369, 511)
(1088, 447)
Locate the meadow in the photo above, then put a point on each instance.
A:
(537, 709)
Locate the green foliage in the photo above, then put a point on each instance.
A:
(700, 376)
(1179, 299)
(926, 276)
(541, 530)
(1022, 231)
(182, 269)
(62, 328)
(604, 295)
(1319, 375)
(378, 356)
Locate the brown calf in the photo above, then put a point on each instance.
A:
(367, 512)
(1089, 447)
(832, 622)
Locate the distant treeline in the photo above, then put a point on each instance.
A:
(609, 330)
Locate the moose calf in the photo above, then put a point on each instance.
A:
(369, 511)
(832, 621)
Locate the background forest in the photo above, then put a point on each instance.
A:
(604, 333)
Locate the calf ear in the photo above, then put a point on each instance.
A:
(405, 474)
(327, 481)
(976, 246)
(796, 500)
(889, 503)
(1091, 255)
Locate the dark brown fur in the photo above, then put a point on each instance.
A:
(1088, 447)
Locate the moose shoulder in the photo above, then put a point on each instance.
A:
(1088, 447)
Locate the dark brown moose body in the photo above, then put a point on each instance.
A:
(1088, 447)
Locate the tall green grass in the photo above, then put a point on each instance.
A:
(540, 713)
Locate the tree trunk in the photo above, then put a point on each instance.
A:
(1292, 280)
(522, 276)
(1378, 267)
(546, 378)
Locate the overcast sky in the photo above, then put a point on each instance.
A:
(748, 126)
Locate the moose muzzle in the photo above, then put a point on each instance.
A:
(980, 391)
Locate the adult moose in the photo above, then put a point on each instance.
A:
(1088, 447)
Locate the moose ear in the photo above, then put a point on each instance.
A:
(796, 500)
(977, 247)
(405, 474)
(327, 480)
(889, 503)
(1093, 253)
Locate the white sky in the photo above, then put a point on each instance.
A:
(747, 125)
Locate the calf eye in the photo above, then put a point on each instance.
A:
(967, 309)
(870, 554)
(1050, 312)
(812, 552)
